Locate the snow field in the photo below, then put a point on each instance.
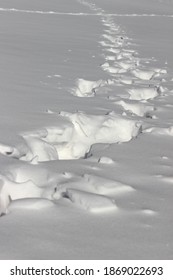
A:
(83, 165)
(75, 139)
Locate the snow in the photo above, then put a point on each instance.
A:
(91, 202)
(86, 88)
(86, 129)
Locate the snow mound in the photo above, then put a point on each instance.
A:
(160, 131)
(93, 184)
(112, 69)
(126, 80)
(108, 45)
(91, 202)
(106, 160)
(106, 186)
(127, 65)
(113, 50)
(86, 88)
(143, 74)
(93, 129)
(40, 149)
(139, 109)
(10, 190)
(19, 190)
(143, 93)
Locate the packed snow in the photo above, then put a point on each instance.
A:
(86, 127)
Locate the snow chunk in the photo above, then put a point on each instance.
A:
(106, 160)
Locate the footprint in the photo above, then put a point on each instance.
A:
(113, 50)
(105, 186)
(127, 65)
(86, 88)
(105, 44)
(112, 69)
(144, 93)
(74, 139)
(110, 57)
(137, 108)
(143, 74)
(93, 184)
(116, 40)
(93, 203)
(93, 129)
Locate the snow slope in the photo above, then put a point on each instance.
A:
(86, 129)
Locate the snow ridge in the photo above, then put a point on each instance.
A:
(78, 14)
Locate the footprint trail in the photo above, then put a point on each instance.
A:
(79, 131)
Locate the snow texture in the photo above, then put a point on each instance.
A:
(86, 129)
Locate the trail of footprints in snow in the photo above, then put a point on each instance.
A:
(79, 131)
(89, 192)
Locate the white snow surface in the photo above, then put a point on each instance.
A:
(86, 129)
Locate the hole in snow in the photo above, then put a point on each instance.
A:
(73, 140)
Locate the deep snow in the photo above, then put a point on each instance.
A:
(86, 129)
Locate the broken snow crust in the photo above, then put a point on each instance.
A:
(86, 129)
